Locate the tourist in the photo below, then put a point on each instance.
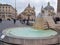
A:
(23, 20)
(14, 21)
(27, 22)
(56, 19)
(0, 20)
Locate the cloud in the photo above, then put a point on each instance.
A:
(34, 1)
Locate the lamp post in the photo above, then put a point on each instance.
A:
(15, 8)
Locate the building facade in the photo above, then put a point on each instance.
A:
(7, 11)
(48, 10)
(28, 12)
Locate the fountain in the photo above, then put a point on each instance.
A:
(41, 24)
(39, 34)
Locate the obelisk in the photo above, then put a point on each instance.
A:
(58, 6)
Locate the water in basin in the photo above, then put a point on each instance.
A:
(30, 32)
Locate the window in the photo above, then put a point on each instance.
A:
(49, 14)
(6, 7)
(3, 7)
(9, 9)
(0, 12)
(42, 11)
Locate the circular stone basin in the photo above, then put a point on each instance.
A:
(30, 36)
(28, 32)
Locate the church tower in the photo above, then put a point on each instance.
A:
(58, 6)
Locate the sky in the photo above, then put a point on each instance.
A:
(22, 4)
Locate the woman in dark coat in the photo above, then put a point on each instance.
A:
(0, 20)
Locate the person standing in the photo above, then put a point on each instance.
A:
(14, 21)
(0, 20)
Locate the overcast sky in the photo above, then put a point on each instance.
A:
(21, 4)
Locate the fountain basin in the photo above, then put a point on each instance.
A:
(30, 36)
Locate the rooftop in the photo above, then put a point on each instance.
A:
(4, 5)
(49, 7)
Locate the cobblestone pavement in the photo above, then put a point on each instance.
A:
(8, 24)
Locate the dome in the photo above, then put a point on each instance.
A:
(48, 7)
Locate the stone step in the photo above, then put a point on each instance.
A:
(50, 21)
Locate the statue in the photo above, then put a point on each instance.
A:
(40, 23)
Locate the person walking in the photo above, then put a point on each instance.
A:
(14, 21)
